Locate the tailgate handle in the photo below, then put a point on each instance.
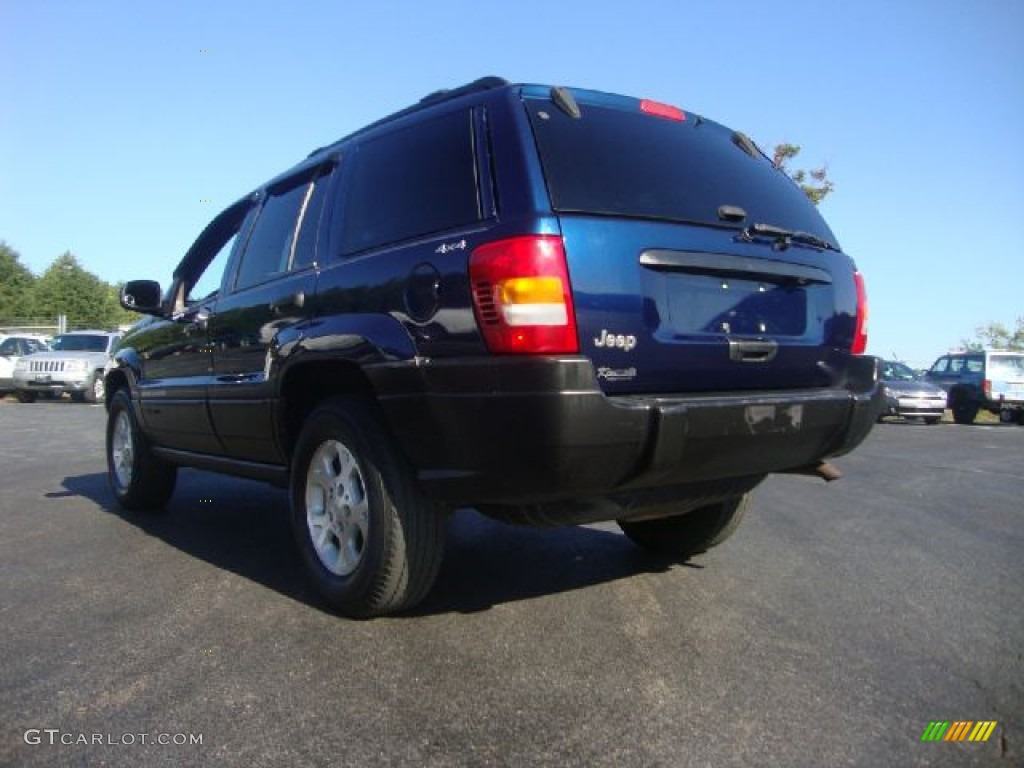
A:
(752, 351)
(728, 265)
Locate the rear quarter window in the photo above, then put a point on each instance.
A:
(412, 182)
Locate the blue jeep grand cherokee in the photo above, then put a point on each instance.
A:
(555, 305)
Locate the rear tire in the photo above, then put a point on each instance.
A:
(140, 481)
(932, 419)
(964, 412)
(370, 541)
(688, 534)
(25, 397)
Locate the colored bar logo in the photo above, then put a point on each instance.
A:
(958, 730)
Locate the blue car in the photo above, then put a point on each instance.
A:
(552, 304)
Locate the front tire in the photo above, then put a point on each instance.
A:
(24, 396)
(681, 536)
(140, 481)
(370, 541)
(96, 390)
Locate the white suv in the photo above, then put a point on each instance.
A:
(74, 364)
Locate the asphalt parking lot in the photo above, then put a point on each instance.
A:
(830, 630)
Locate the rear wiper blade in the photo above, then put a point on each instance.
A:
(786, 237)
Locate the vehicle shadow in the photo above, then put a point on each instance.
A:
(242, 527)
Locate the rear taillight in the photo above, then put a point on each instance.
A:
(521, 296)
(860, 330)
(986, 387)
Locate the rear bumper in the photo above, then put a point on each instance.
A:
(522, 431)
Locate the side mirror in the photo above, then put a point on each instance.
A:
(142, 296)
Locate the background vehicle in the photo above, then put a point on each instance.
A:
(74, 364)
(907, 395)
(556, 305)
(12, 348)
(991, 380)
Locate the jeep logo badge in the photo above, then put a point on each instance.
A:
(615, 341)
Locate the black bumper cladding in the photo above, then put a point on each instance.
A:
(523, 431)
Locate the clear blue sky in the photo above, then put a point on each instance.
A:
(120, 119)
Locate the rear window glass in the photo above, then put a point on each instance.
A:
(270, 245)
(1006, 366)
(618, 162)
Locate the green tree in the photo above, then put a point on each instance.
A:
(997, 336)
(16, 285)
(815, 183)
(66, 288)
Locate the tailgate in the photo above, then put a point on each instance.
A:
(681, 281)
(666, 308)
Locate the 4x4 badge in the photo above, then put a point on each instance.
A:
(449, 247)
(619, 341)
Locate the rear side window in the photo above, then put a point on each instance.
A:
(413, 182)
(622, 162)
(270, 245)
(306, 244)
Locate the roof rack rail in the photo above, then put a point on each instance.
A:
(445, 94)
(480, 84)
